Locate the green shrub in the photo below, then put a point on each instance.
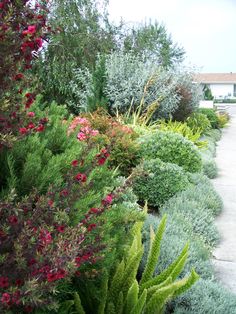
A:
(206, 297)
(123, 293)
(178, 232)
(198, 122)
(156, 181)
(197, 214)
(223, 119)
(173, 148)
(211, 115)
(183, 129)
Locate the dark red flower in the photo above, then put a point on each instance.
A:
(91, 227)
(6, 298)
(13, 220)
(18, 76)
(30, 125)
(19, 282)
(38, 42)
(61, 229)
(94, 210)
(74, 163)
(101, 161)
(4, 282)
(81, 177)
(32, 261)
(23, 130)
(64, 193)
(40, 128)
(28, 309)
(16, 297)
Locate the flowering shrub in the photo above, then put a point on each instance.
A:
(23, 29)
(120, 137)
(39, 245)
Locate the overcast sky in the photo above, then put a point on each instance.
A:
(205, 28)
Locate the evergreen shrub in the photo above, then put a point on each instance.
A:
(156, 181)
(211, 116)
(173, 148)
(198, 122)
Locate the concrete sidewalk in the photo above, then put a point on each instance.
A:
(225, 254)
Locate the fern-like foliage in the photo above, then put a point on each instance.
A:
(123, 294)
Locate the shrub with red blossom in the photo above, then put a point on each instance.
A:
(23, 29)
(40, 245)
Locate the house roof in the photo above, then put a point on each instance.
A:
(209, 78)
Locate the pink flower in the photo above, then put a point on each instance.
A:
(50, 203)
(4, 282)
(81, 136)
(107, 200)
(64, 192)
(81, 177)
(6, 298)
(94, 132)
(23, 130)
(74, 163)
(30, 30)
(31, 114)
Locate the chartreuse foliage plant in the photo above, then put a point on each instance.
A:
(156, 181)
(183, 129)
(124, 293)
(171, 147)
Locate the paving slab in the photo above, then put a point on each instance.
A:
(224, 256)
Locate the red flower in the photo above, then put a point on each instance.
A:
(64, 193)
(30, 125)
(56, 276)
(61, 229)
(101, 161)
(6, 298)
(91, 227)
(19, 282)
(38, 42)
(4, 282)
(50, 203)
(32, 261)
(94, 210)
(40, 128)
(23, 130)
(74, 163)
(107, 200)
(31, 114)
(18, 76)
(30, 30)
(45, 237)
(81, 177)
(13, 220)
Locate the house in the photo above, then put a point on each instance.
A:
(222, 85)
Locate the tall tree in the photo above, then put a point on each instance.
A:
(153, 41)
(83, 31)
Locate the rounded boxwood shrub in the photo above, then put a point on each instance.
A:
(212, 117)
(171, 147)
(156, 181)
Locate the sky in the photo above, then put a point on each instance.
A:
(206, 29)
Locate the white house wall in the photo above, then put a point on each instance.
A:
(222, 90)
